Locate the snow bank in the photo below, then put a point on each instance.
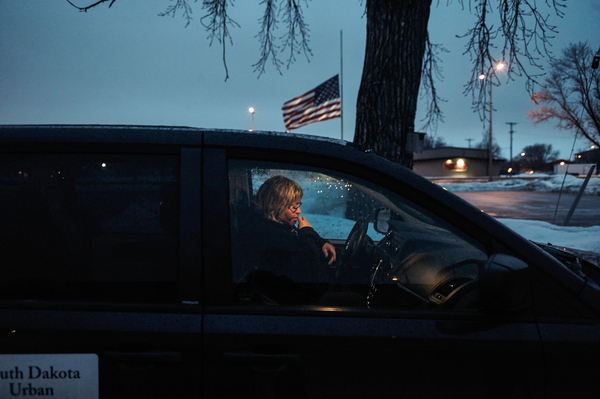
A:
(545, 183)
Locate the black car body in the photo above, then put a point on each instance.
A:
(123, 275)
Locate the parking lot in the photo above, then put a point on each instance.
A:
(533, 205)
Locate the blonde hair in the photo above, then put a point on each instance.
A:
(276, 195)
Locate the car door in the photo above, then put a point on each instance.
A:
(361, 328)
(100, 275)
(570, 331)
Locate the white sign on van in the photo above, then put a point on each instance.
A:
(49, 375)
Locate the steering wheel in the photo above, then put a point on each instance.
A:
(355, 242)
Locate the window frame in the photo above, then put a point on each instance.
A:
(220, 300)
(189, 251)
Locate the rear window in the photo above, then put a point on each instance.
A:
(89, 227)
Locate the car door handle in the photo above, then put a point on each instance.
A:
(156, 356)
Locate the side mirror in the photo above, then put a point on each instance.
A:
(504, 284)
(381, 221)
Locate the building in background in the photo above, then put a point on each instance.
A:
(455, 162)
(590, 156)
(575, 169)
(581, 165)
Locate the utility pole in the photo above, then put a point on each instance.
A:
(490, 146)
(469, 140)
(511, 141)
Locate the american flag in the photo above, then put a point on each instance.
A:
(320, 104)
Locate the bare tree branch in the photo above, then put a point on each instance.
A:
(432, 72)
(296, 38)
(84, 9)
(294, 19)
(218, 24)
(571, 95)
(179, 5)
(266, 36)
(526, 34)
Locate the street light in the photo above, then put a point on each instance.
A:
(252, 110)
(500, 66)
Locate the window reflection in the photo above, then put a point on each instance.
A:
(89, 227)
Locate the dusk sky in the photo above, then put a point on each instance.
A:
(127, 65)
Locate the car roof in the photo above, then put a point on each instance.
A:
(145, 134)
(100, 134)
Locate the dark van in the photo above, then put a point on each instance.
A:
(130, 269)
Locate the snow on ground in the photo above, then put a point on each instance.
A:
(544, 183)
(584, 238)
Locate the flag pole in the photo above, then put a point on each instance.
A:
(341, 84)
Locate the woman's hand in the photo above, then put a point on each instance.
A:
(302, 222)
(329, 252)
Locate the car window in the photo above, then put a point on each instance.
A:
(390, 252)
(89, 227)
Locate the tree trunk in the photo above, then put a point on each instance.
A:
(389, 89)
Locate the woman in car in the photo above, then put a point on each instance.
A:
(280, 245)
